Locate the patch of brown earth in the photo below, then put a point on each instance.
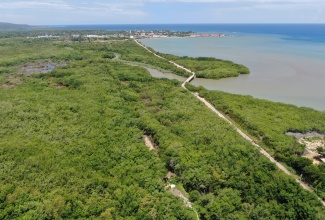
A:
(8, 86)
(146, 100)
(11, 82)
(59, 85)
(148, 142)
(312, 140)
(311, 149)
(170, 175)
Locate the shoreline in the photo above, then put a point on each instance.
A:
(172, 37)
(279, 77)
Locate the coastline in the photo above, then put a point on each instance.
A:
(277, 74)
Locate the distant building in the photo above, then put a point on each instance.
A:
(48, 36)
(92, 36)
(195, 35)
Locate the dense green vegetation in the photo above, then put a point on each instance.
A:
(76, 151)
(269, 121)
(64, 34)
(209, 67)
(71, 143)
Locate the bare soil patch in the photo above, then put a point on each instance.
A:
(146, 100)
(311, 149)
(8, 86)
(312, 140)
(11, 82)
(149, 143)
(59, 86)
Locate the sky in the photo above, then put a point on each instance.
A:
(69, 12)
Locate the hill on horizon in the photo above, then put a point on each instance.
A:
(11, 26)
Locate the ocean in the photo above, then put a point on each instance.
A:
(302, 32)
(286, 60)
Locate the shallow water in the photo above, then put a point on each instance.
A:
(285, 71)
(158, 74)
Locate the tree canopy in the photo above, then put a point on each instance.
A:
(71, 143)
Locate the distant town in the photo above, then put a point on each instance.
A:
(165, 34)
(128, 35)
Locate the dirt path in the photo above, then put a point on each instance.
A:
(210, 106)
(178, 193)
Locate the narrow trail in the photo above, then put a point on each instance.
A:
(177, 192)
(211, 107)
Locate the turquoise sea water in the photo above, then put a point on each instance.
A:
(302, 32)
(285, 67)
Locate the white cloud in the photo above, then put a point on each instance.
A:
(94, 5)
(34, 4)
(121, 5)
(146, 11)
(71, 11)
(14, 18)
(13, 5)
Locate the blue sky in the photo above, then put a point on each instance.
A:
(56, 12)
